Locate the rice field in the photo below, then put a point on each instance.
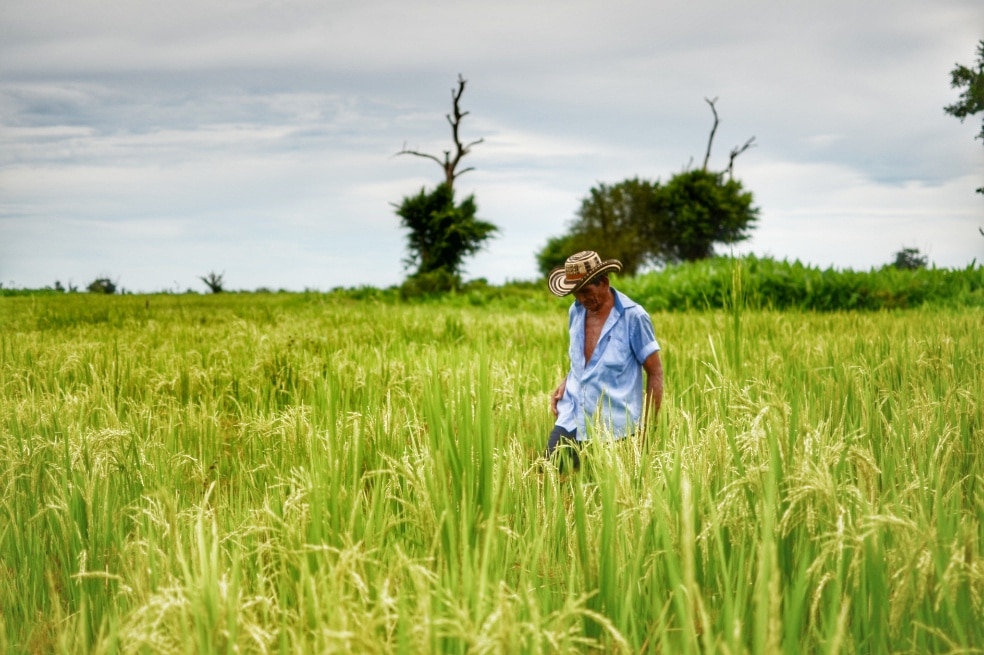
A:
(298, 473)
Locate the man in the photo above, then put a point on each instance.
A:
(612, 342)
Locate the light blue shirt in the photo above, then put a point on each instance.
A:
(612, 381)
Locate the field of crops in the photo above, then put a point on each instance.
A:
(297, 473)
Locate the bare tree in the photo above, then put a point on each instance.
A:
(710, 141)
(213, 281)
(450, 163)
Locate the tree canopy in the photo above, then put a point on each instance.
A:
(971, 101)
(971, 80)
(442, 233)
(642, 222)
(910, 259)
(698, 209)
(619, 216)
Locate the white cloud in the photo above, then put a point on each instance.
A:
(834, 216)
(258, 137)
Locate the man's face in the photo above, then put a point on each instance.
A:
(593, 295)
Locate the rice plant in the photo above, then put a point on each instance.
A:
(303, 473)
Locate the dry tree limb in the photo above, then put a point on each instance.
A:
(449, 163)
(710, 139)
(737, 151)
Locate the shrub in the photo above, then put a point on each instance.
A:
(438, 281)
(102, 285)
(767, 283)
(909, 259)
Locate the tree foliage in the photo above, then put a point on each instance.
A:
(910, 259)
(971, 80)
(559, 248)
(621, 217)
(642, 222)
(441, 233)
(698, 209)
(102, 285)
(971, 101)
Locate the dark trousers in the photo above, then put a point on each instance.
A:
(564, 446)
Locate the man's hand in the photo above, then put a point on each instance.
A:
(557, 395)
(654, 389)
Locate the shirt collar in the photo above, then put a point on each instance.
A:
(622, 301)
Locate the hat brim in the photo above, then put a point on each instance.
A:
(559, 286)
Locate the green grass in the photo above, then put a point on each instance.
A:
(303, 473)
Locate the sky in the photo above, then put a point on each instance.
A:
(153, 143)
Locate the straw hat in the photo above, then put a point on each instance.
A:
(579, 269)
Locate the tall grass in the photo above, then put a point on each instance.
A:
(301, 473)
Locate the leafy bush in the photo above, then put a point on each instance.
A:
(909, 259)
(767, 283)
(10, 291)
(437, 281)
(102, 285)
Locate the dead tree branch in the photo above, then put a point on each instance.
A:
(737, 151)
(710, 139)
(450, 164)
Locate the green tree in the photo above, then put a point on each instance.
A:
(441, 233)
(615, 220)
(700, 209)
(971, 101)
(645, 222)
(641, 222)
(624, 217)
(102, 285)
(910, 259)
(558, 249)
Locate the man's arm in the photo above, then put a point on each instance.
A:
(654, 388)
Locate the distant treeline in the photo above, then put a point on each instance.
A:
(718, 283)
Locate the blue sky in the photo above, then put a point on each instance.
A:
(155, 142)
